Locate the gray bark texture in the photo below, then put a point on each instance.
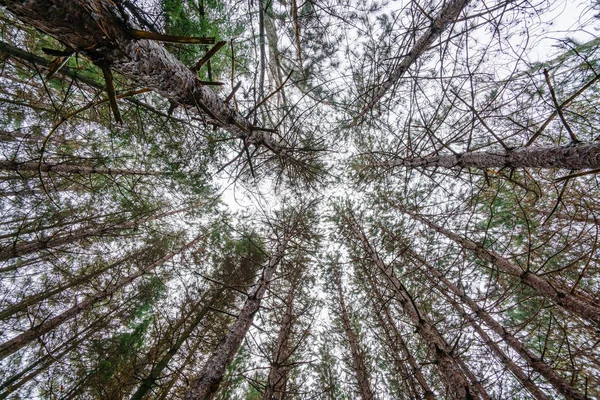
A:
(543, 287)
(576, 156)
(98, 30)
(452, 373)
(205, 386)
(21, 340)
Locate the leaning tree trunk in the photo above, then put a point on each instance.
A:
(36, 298)
(21, 340)
(574, 156)
(205, 386)
(452, 373)
(357, 354)
(101, 32)
(447, 15)
(540, 285)
(535, 362)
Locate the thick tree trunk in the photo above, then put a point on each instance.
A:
(452, 373)
(21, 340)
(276, 388)
(98, 30)
(448, 14)
(6, 165)
(358, 361)
(205, 386)
(536, 362)
(540, 285)
(577, 156)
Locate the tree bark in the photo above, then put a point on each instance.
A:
(205, 386)
(540, 285)
(98, 30)
(36, 298)
(455, 379)
(575, 156)
(21, 340)
(358, 361)
(536, 362)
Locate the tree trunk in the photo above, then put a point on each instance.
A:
(540, 285)
(36, 298)
(205, 386)
(6, 165)
(358, 361)
(576, 156)
(16, 343)
(98, 30)
(455, 379)
(536, 362)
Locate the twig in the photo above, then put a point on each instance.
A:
(112, 96)
(208, 56)
(235, 89)
(589, 172)
(558, 108)
(270, 95)
(138, 34)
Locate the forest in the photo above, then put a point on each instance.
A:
(294, 200)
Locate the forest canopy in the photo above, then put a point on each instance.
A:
(346, 199)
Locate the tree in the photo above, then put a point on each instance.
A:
(203, 199)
